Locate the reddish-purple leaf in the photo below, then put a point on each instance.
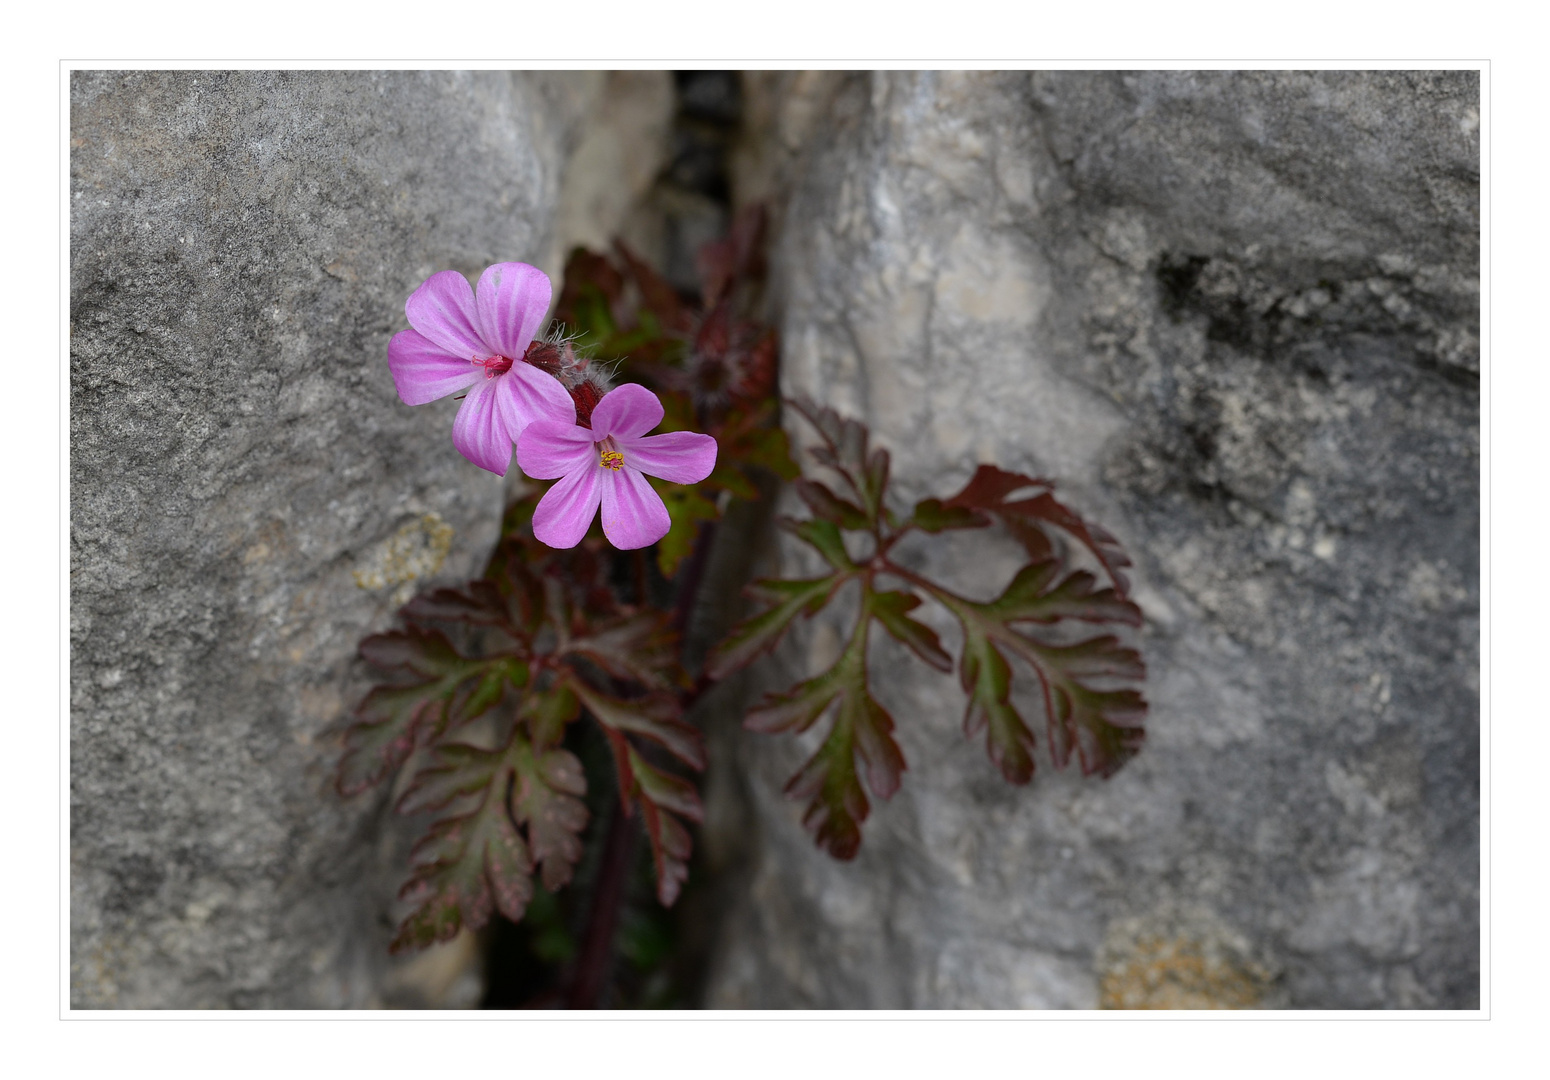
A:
(432, 688)
(661, 298)
(1028, 517)
(829, 506)
(467, 867)
(479, 603)
(545, 800)
(640, 648)
(655, 717)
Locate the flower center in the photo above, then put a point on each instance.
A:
(495, 365)
(612, 459)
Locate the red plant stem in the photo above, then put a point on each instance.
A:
(596, 961)
(597, 951)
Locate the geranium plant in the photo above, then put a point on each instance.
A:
(638, 418)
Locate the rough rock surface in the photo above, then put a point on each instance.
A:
(1235, 315)
(249, 498)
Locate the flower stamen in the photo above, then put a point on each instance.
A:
(612, 459)
(495, 365)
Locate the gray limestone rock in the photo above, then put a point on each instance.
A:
(1235, 315)
(249, 498)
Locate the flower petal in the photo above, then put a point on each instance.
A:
(513, 300)
(424, 371)
(627, 412)
(478, 432)
(684, 457)
(549, 449)
(564, 514)
(525, 394)
(442, 309)
(633, 514)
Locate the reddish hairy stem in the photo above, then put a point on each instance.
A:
(597, 952)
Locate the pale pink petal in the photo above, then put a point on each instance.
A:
(564, 514)
(684, 457)
(525, 394)
(513, 300)
(478, 432)
(627, 412)
(633, 514)
(424, 371)
(443, 310)
(548, 449)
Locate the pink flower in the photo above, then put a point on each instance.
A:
(603, 466)
(459, 343)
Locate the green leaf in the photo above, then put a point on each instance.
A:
(759, 634)
(837, 805)
(935, 516)
(862, 730)
(547, 712)
(667, 791)
(825, 537)
(725, 478)
(1035, 596)
(687, 508)
(987, 678)
(769, 448)
(1088, 713)
(889, 608)
(466, 868)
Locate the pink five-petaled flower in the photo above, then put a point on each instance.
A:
(603, 466)
(462, 343)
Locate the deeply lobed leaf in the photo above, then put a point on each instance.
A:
(433, 688)
(471, 864)
(640, 647)
(891, 608)
(664, 799)
(987, 679)
(763, 632)
(468, 867)
(1030, 517)
(861, 731)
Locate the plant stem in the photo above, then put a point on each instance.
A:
(596, 961)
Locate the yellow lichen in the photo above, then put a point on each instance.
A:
(1178, 973)
(417, 550)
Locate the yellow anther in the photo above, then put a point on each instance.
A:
(612, 459)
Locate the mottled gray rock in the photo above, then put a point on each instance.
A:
(1235, 315)
(249, 498)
